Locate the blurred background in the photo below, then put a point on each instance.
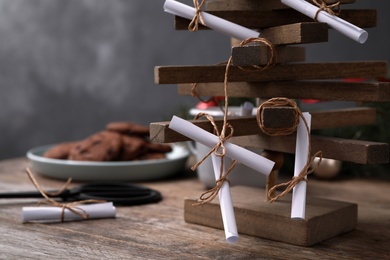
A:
(69, 67)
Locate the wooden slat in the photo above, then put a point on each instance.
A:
(259, 55)
(356, 151)
(341, 91)
(160, 132)
(278, 117)
(343, 117)
(365, 18)
(255, 4)
(297, 33)
(283, 117)
(304, 71)
(248, 134)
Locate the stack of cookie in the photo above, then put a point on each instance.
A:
(120, 141)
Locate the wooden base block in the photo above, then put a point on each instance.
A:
(256, 217)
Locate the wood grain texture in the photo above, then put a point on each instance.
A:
(280, 72)
(348, 150)
(248, 134)
(160, 131)
(259, 55)
(297, 33)
(321, 90)
(278, 117)
(219, 5)
(364, 18)
(254, 216)
(158, 231)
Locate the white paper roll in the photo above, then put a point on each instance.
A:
(298, 204)
(335, 22)
(225, 201)
(211, 21)
(235, 152)
(53, 214)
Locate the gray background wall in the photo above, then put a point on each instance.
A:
(68, 67)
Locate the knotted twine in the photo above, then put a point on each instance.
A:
(194, 24)
(327, 8)
(306, 170)
(219, 149)
(69, 206)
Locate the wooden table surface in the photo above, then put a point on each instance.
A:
(158, 231)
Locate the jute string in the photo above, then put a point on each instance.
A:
(219, 149)
(327, 8)
(194, 24)
(272, 60)
(69, 206)
(307, 169)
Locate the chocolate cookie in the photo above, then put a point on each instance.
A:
(128, 128)
(158, 148)
(102, 146)
(152, 156)
(132, 147)
(60, 151)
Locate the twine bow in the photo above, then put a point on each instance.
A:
(69, 206)
(296, 179)
(306, 169)
(194, 24)
(327, 8)
(220, 151)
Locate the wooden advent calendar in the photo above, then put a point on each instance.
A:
(292, 78)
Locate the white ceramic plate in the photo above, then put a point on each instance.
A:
(108, 171)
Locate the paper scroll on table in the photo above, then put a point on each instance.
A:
(54, 214)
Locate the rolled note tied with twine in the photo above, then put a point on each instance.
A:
(213, 22)
(72, 208)
(59, 214)
(279, 102)
(321, 14)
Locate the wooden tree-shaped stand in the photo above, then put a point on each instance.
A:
(293, 79)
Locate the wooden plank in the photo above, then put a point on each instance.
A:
(356, 151)
(247, 134)
(284, 117)
(255, 217)
(279, 72)
(219, 5)
(359, 116)
(364, 18)
(342, 91)
(297, 33)
(250, 55)
(248, 125)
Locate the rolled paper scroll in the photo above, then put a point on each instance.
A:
(213, 22)
(54, 214)
(333, 21)
(226, 205)
(235, 152)
(298, 205)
